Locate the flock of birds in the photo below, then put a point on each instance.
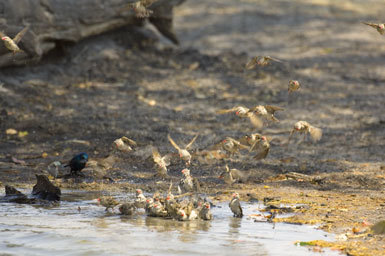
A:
(180, 207)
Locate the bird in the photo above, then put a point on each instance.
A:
(230, 176)
(183, 153)
(53, 169)
(140, 200)
(127, 208)
(125, 144)
(161, 162)
(244, 112)
(140, 8)
(77, 163)
(305, 128)
(181, 215)
(108, 201)
(267, 112)
(379, 27)
(231, 146)
(205, 213)
(11, 44)
(262, 146)
(149, 205)
(260, 61)
(235, 206)
(188, 183)
(294, 85)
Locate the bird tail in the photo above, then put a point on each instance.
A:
(315, 133)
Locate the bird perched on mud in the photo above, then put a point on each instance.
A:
(183, 153)
(230, 176)
(231, 146)
(205, 213)
(124, 144)
(262, 146)
(140, 8)
(235, 206)
(260, 61)
(244, 112)
(379, 27)
(161, 162)
(305, 128)
(127, 209)
(77, 164)
(188, 183)
(267, 112)
(10, 43)
(107, 201)
(294, 85)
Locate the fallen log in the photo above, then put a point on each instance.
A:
(53, 21)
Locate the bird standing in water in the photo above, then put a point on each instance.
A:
(77, 163)
(235, 206)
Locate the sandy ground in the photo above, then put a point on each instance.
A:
(82, 97)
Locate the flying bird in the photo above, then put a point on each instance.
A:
(244, 112)
(294, 85)
(260, 61)
(306, 128)
(379, 27)
(161, 162)
(10, 43)
(267, 112)
(183, 152)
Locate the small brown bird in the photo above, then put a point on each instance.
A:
(379, 27)
(305, 128)
(188, 183)
(231, 146)
(127, 209)
(262, 146)
(267, 112)
(108, 201)
(260, 61)
(11, 44)
(249, 140)
(183, 153)
(140, 8)
(161, 162)
(182, 216)
(244, 112)
(124, 144)
(205, 213)
(235, 206)
(294, 85)
(230, 176)
(140, 200)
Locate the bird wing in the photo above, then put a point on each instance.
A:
(20, 35)
(191, 142)
(243, 140)
(255, 120)
(315, 133)
(373, 25)
(262, 154)
(173, 142)
(129, 141)
(155, 155)
(273, 59)
(272, 109)
(147, 3)
(225, 111)
(252, 63)
(167, 159)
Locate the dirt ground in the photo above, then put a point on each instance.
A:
(82, 97)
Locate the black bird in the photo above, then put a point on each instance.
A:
(77, 163)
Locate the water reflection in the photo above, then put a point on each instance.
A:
(63, 230)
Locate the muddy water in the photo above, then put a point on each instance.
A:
(64, 230)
